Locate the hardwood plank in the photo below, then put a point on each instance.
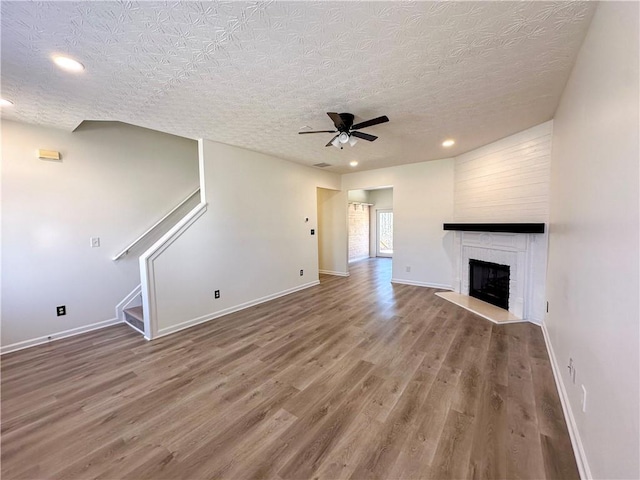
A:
(489, 451)
(469, 388)
(557, 464)
(419, 450)
(454, 448)
(386, 449)
(86, 466)
(524, 459)
(496, 368)
(311, 455)
(196, 449)
(557, 450)
(237, 457)
(268, 462)
(150, 461)
(336, 378)
(353, 378)
(350, 448)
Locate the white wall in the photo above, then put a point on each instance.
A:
(251, 242)
(382, 199)
(332, 232)
(593, 260)
(507, 180)
(358, 196)
(114, 181)
(422, 202)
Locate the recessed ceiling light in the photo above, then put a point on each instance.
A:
(353, 163)
(69, 64)
(448, 143)
(5, 103)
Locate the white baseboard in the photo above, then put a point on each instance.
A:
(574, 434)
(211, 316)
(331, 272)
(58, 336)
(421, 284)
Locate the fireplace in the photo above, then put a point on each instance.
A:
(524, 253)
(489, 282)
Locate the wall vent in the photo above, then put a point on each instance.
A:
(322, 165)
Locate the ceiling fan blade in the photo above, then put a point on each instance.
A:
(318, 131)
(331, 142)
(370, 123)
(337, 120)
(364, 136)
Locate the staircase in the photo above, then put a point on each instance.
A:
(134, 317)
(129, 310)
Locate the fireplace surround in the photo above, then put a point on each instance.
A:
(524, 253)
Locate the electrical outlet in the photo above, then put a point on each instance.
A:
(216, 294)
(301, 272)
(313, 231)
(61, 310)
(584, 399)
(95, 242)
(407, 269)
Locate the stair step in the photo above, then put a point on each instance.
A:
(135, 312)
(135, 317)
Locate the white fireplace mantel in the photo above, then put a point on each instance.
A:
(524, 253)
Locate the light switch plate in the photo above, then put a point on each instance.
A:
(95, 242)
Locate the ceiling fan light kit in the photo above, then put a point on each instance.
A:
(346, 131)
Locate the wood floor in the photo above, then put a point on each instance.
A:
(354, 378)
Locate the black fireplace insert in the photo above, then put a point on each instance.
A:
(489, 282)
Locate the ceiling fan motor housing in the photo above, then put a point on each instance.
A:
(347, 119)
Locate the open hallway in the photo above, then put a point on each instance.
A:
(354, 378)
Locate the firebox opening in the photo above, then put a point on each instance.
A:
(489, 282)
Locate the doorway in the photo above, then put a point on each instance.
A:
(384, 234)
(329, 230)
(370, 223)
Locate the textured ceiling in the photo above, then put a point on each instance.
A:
(253, 73)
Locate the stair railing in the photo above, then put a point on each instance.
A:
(153, 227)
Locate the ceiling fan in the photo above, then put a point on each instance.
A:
(346, 131)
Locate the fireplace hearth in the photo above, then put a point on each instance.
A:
(489, 282)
